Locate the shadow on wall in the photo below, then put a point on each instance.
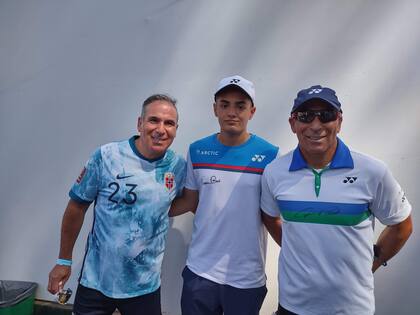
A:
(173, 264)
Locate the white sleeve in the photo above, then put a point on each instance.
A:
(390, 204)
(268, 201)
(190, 182)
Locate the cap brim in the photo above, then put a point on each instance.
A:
(236, 86)
(318, 98)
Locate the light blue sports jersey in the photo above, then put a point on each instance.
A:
(132, 197)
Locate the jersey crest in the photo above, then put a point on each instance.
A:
(169, 179)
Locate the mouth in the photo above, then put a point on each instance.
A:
(315, 138)
(157, 139)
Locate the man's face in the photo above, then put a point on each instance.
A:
(157, 129)
(316, 139)
(234, 109)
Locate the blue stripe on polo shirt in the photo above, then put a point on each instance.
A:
(324, 212)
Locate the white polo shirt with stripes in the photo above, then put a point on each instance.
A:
(328, 228)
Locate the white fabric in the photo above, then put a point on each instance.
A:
(324, 268)
(229, 241)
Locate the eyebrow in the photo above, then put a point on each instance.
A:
(238, 102)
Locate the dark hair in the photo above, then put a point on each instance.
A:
(158, 97)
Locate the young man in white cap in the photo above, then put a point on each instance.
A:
(328, 197)
(226, 258)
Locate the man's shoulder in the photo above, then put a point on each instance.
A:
(174, 158)
(282, 162)
(367, 162)
(108, 150)
(209, 140)
(264, 144)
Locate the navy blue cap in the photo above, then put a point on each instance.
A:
(317, 92)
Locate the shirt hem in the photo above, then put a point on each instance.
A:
(232, 284)
(119, 296)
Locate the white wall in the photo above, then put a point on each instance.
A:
(73, 74)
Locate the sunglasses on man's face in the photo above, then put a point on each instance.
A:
(308, 116)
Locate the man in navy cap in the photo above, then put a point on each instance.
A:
(328, 197)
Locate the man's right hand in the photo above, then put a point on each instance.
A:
(58, 277)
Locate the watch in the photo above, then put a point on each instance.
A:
(377, 253)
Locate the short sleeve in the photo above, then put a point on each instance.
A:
(390, 205)
(190, 182)
(268, 201)
(86, 187)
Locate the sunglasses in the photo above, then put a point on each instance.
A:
(324, 116)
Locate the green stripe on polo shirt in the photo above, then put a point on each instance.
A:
(325, 218)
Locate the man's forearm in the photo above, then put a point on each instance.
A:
(70, 228)
(273, 226)
(391, 240)
(187, 202)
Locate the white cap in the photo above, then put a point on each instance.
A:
(244, 84)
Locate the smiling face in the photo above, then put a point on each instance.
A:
(157, 128)
(317, 140)
(234, 109)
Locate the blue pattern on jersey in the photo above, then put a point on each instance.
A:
(250, 157)
(132, 197)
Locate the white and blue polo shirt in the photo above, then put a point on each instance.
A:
(132, 197)
(328, 228)
(228, 243)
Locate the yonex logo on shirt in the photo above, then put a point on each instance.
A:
(349, 179)
(315, 91)
(258, 158)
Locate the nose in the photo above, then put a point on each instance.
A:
(231, 111)
(160, 128)
(316, 124)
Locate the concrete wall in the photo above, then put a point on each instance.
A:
(73, 74)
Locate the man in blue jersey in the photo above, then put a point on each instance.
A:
(132, 183)
(226, 257)
(328, 197)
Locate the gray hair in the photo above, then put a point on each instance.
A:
(158, 97)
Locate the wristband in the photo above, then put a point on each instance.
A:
(64, 262)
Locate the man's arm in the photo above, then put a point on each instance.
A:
(391, 240)
(273, 225)
(188, 201)
(70, 227)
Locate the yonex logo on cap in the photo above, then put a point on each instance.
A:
(235, 81)
(315, 91)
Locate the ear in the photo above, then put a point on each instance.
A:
(139, 124)
(253, 110)
(215, 109)
(292, 122)
(340, 120)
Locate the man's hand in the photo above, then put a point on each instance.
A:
(58, 277)
(391, 240)
(187, 202)
(70, 227)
